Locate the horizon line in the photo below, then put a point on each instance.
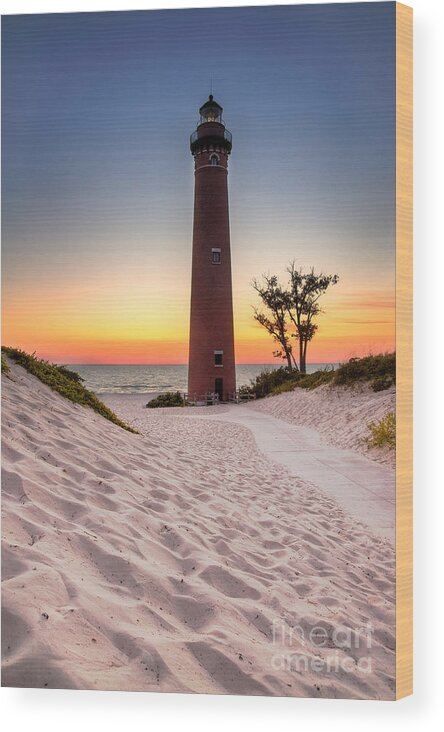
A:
(185, 363)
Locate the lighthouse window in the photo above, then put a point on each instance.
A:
(214, 160)
(215, 256)
(218, 358)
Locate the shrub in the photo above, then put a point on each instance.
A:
(283, 379)
(382, 433)
(266, 381)
(305, 381)
(380, 369)
(382, 382)
(71, 375)
(286, 386)
(65, 383)
(169, 399)
(312, 381)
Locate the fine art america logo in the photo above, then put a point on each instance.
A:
(321, 648)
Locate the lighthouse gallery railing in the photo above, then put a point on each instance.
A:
(227, 136)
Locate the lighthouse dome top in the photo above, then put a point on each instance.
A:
(210, 111)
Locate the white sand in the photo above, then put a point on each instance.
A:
(340, 414)
(161, 561)
(363, 487)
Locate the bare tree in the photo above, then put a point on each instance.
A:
(292, 312)
(305, 291)
(276, 300)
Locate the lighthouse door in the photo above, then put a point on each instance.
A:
(219, 388)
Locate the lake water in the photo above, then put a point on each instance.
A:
(149, 378)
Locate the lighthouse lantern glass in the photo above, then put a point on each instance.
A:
(210, 112)
(211, 115)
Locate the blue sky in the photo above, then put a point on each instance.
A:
(97, 174)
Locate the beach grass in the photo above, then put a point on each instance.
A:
(382, 433)
(378, 371)
(62, 380)
(5, 366)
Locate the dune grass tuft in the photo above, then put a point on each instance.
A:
(382, 433)
(65, 382)
(5, 367)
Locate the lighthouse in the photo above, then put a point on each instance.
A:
(211, 365)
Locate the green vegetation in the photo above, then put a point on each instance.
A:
(266, 381)
(169, 399)
(380, 383)
(71, 375)
(283, 379)
(312, 381)
(379, 371)
(282, 388)
(305, 381)
(5, 367)
(64, 382)
(382, 433)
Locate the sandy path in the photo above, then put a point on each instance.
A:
(364, 488)
(340, 414)
(163, 562)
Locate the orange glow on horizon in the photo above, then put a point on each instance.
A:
(129, 326)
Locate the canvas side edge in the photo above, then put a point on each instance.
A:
(404, 358)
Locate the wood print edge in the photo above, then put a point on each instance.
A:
(404, 397)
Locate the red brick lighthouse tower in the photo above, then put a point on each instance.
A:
(211, 356)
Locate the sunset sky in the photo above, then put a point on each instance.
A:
(98, 178)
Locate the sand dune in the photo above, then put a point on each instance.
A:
(341, 414)
(163, 561)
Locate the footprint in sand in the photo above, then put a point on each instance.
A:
(228, 584)
(194, 613)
